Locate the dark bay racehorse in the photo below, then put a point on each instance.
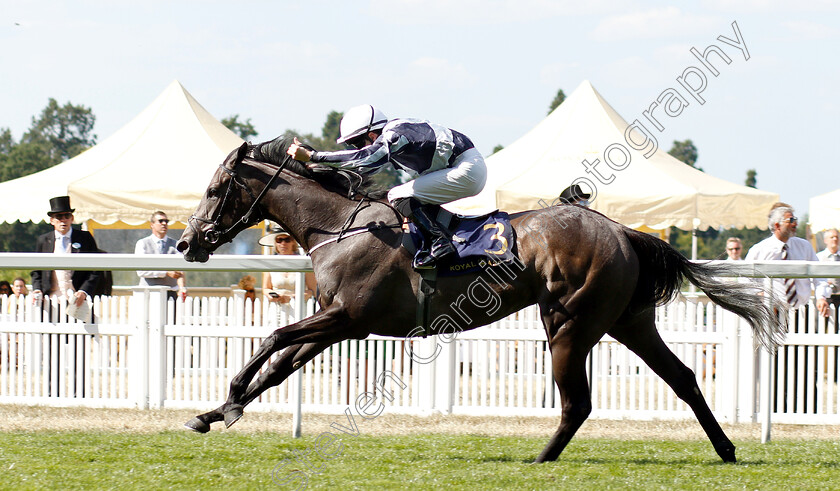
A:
(590, 276)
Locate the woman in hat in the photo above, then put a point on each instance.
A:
(280, 286)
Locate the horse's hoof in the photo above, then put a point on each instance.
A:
(232, 415)
(727, 454)
(197, 425)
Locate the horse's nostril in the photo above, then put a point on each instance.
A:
(182, 246)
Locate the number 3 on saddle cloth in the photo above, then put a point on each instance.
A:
(479, 241)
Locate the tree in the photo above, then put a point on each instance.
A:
(64, 130)
(751, 181)
(497, 148)
(58, 134)
(244, 129)
(686, 152)
(332, 127)
(558, 99)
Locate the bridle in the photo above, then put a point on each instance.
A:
(252, 216)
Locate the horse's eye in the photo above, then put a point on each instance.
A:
(212, 192)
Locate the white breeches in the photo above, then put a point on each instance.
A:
(465, 178)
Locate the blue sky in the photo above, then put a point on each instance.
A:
(488, 68)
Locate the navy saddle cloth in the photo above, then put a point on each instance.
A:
(480, 241)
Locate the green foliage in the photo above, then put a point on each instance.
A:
(64, 131)
(497, 148)
(558, 99)
(244, 129)
(58, 134)
(20, 237)
(686, 152)
(233, 460)
(23, 159)
(711, 243)
(332, 127)
(751, 180)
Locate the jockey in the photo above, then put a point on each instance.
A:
(443, 164)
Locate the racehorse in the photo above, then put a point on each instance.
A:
(589, 275)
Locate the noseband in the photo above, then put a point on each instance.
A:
(212, 235)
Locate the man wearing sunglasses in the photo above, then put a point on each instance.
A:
(443, 165)
(783, 244)
(733, 249)
(64, 239)
(160, 243)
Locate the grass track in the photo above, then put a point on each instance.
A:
(181, 460)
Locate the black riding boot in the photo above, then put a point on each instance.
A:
(441, 244)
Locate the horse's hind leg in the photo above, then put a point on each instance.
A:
(641, 337)
(569, 368)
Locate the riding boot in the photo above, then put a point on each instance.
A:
(437, 245)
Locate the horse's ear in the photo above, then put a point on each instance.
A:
(243, 150)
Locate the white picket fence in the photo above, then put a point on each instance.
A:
(143, 353)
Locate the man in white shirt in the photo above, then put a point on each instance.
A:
(784, 245)
(159, 243)
(830, 253)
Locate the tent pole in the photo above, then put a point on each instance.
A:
(691, 288)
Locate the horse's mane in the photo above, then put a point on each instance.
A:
(344, 182)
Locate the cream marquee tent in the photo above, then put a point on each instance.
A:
(824, 211)
(657, 191)
(162, 160)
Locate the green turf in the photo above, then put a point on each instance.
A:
(219, 460)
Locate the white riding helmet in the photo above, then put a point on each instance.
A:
(360, 120)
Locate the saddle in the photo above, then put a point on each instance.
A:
(480, 242)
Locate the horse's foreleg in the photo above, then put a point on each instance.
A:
(288, 363)
(202, 422)
(642, 338)
(325, 327)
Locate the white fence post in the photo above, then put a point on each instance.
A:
(297, 380)
(444, 374)
(157, 346)
(138, 316)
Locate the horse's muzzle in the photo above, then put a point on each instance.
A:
(193, 252)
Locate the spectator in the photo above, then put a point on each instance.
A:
(19, 290)
(830, 237)
(5, 288)
(249, 284)
(19, 287)
(278, 286)
(64, 239)
(159, 243)
(733, 249)
(783, 244)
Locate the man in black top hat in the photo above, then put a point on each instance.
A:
(574, 195)
(64, 239)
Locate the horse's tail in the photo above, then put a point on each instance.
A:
(662, 269)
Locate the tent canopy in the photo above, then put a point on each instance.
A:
(161, 160)
(656, 191)
(824, 211)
